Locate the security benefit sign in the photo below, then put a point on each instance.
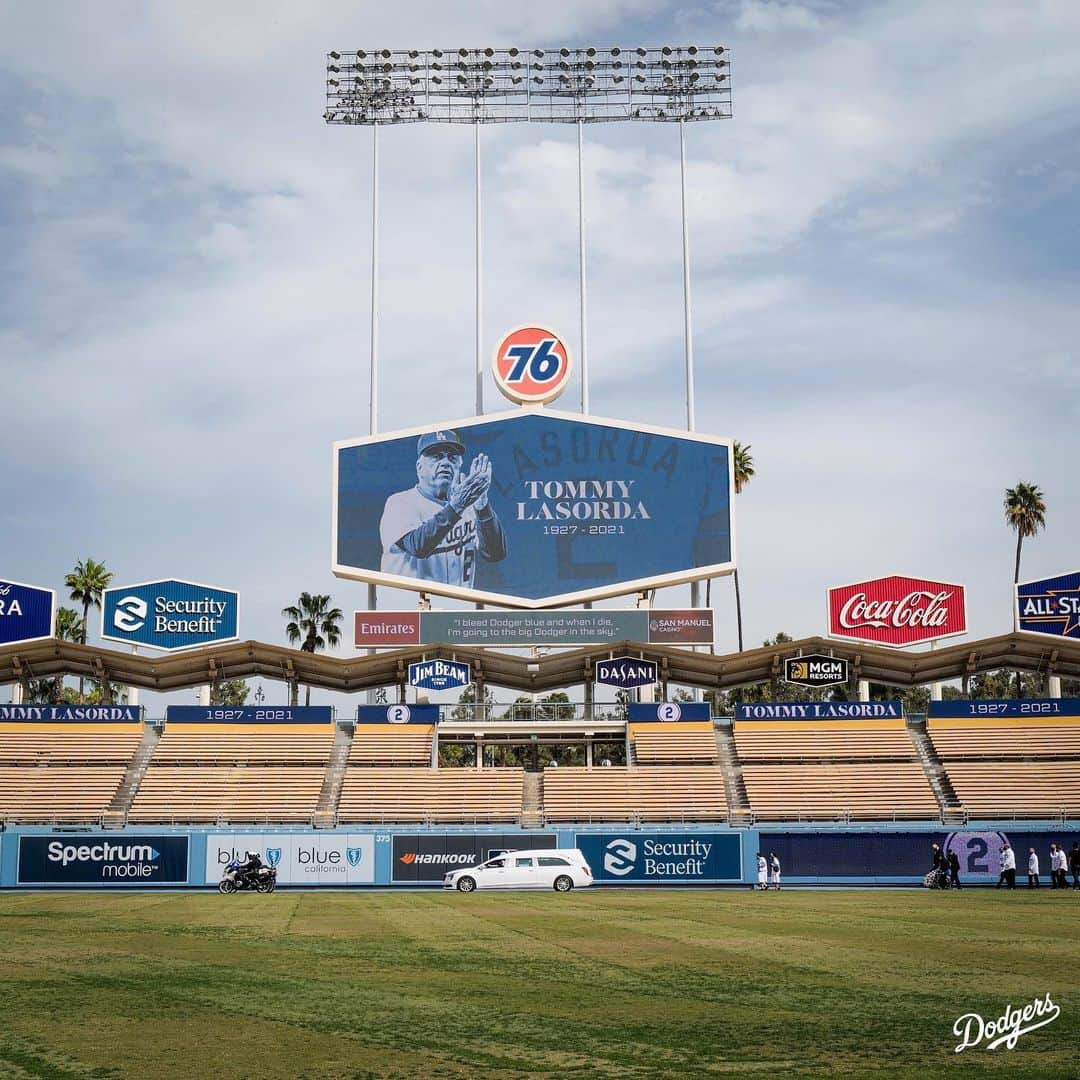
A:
(662, 858)
(299, 858)
(94, 859)
(625, 672)
(440, 675)
(1050, 606)
(816, 669)
(26, 612)
(533, 508)
(169, 614)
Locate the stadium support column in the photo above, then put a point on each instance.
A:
(373, 374)
(864, 689)
(1054, 686)
(688, 334)
(204, 694)
(16, 693)
(132, 696)
(645, 693)
(582, 308)
(935, 687)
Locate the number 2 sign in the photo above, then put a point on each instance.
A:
(532, 365)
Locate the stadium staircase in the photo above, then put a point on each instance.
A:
(734, 785)
(952, 812)
(532, 801)
(115, 817)
(326, 810)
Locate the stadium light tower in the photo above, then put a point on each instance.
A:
(669, 84)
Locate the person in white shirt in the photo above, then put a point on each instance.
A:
(1008, 867)
(1057, 867)
(1033, 869)
(774, 866)
(762, 872)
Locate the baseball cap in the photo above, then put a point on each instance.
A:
(439, 438)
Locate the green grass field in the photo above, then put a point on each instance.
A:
(601, 983)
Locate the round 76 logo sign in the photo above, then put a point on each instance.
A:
(532, 365)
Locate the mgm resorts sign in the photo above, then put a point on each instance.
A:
(816, 669)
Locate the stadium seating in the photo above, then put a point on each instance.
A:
(389, 795)
(251, 793)
(63, 772)
(389, 744)
(674, 743)
(42, 793)
(1006, 767)
(848, 740)
(235, 744)
(870, 790)
(847, 769)
(652, 793)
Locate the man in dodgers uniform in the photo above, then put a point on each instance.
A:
(435, 530)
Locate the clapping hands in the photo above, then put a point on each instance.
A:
(472, 488)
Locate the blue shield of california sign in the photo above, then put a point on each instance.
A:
(1050, 606)
(26, 612)
(169, 614)
(440, 675)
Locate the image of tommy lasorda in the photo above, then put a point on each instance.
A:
(435, 530)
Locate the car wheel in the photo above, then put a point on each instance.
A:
(466, 884)
(563, 883)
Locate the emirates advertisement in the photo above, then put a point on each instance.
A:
(897, 611)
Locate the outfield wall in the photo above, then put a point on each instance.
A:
(173, 857)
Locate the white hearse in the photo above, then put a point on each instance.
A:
(561, 869)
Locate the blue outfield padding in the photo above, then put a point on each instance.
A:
(407, 856)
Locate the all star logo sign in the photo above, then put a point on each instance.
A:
(532, 365)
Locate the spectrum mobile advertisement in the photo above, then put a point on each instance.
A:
(533, 508)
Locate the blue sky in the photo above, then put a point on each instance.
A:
(884, 280)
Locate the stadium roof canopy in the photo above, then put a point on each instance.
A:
(236, 660)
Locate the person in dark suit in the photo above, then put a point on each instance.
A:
(954, 869)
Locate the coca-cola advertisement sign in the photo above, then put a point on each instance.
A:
(897, 611)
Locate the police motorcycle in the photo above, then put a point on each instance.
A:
(263, 880)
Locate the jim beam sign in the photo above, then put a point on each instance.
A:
(816, 669)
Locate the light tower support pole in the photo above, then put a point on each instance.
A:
(479, 287)
(583, 310)
(373, 402)
(688, 338)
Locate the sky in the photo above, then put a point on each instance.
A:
(884, 274)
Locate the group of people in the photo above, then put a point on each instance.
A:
(1061, 863)
(767, 869)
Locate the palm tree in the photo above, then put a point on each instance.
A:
(86, 583)
(1025, 512)
(743, 467)
(70, 626)
(744, 473)
(315, 624)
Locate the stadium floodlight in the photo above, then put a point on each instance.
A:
(583, 86)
